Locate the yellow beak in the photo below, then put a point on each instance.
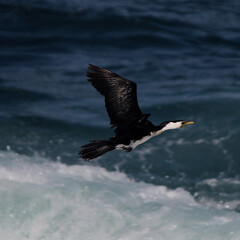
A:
(187, 123)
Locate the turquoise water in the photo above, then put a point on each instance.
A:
(184, 56)
(41, 199)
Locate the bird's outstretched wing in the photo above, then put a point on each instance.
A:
(120, 95)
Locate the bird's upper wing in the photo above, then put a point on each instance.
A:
(120, 95)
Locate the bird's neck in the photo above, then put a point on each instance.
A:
(166, 126)
(158, 130)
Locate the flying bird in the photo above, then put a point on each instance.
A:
(132, 127)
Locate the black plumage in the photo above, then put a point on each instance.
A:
(120, 95)
(131, 125)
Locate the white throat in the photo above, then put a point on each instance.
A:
(170, 126)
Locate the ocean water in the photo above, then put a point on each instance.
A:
(181, 185)
(41, 199)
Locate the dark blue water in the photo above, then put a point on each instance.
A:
(184, 56)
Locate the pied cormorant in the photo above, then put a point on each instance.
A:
(132, 126)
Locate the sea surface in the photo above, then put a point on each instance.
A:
(185, 58)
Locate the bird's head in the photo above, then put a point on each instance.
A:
(168, 125)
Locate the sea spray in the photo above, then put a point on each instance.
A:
(41, 199)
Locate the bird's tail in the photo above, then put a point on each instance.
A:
(95, 149)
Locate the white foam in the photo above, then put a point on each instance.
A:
(213, 182)
(44, 200)
(232, 184)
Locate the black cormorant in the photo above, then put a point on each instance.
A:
(132, 126)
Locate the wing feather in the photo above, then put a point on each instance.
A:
(120, 95)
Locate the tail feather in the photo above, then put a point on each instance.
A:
(95, 149)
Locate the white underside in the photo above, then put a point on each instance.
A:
(133, 144)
